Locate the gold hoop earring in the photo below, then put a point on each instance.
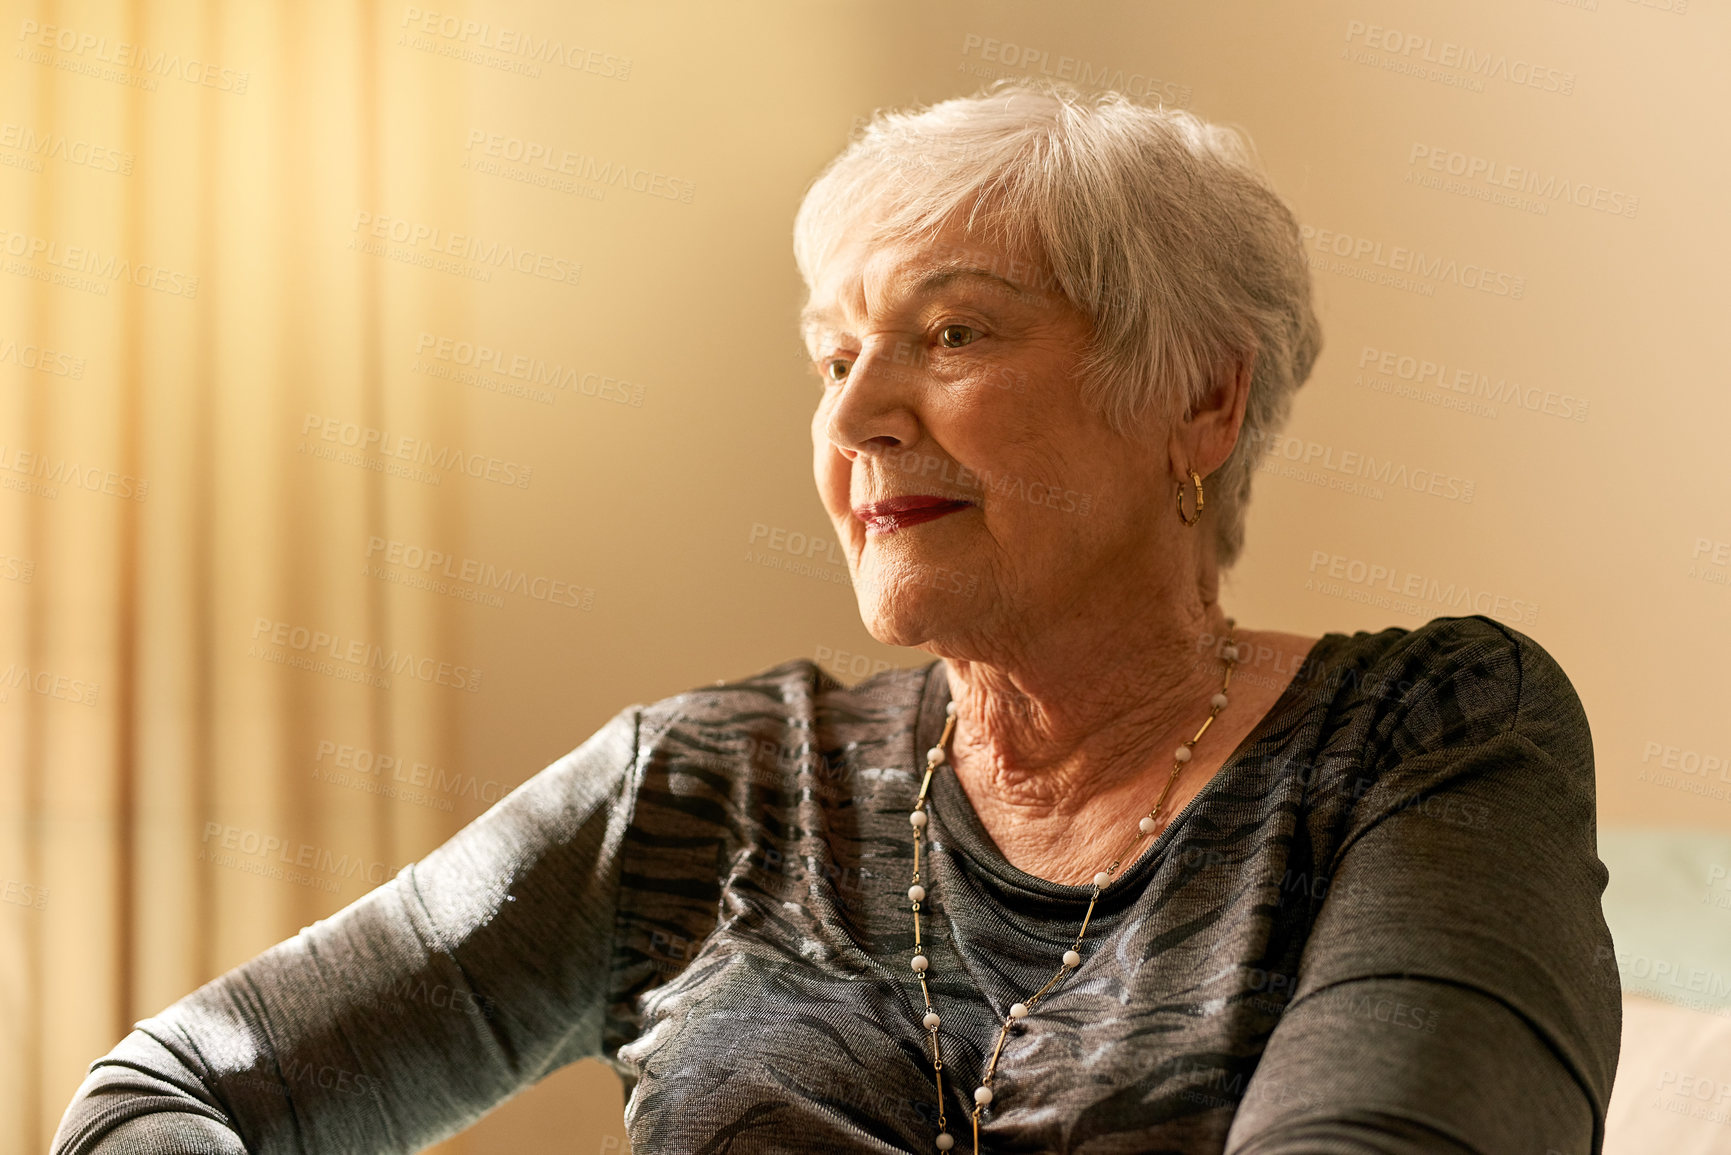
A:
(1198, 483)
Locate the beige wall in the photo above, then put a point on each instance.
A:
(1597, 521)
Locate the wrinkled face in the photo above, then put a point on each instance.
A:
(976, 496)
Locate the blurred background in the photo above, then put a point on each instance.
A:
(391, 394)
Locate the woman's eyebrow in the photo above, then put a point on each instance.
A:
(925, 284)
(941, 278)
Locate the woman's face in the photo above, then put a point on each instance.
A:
(978, 499)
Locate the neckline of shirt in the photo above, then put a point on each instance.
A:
(956, 822)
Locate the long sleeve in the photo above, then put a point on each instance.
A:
(407, 1015)
(1455, 993)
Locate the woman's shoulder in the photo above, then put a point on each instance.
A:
(1454, 681)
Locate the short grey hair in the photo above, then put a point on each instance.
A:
(1155, 224)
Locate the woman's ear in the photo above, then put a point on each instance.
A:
(1203, 438)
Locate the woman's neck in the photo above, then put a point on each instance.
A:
(1077, 712)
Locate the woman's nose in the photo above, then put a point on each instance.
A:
(874, 411)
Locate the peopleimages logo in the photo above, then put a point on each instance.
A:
(558, 161)
(86, 50)
(341, 762)
(376, 448)
(47, 683)
(431, 242)
(1428, 268)
(1082, 73)
(84, 261)
(1361, 472)
(1414, 50)
(47, 474)
(57, 146)
(483, 578)
(466, 40)
(305, 855)
(1489, 178)
(521, 367)
(42, 360)
(1360, 580)
(297, 645)
(1419, 370)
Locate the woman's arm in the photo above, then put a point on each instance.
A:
(1456, 992)
(1411, 1066)
(404, 1017)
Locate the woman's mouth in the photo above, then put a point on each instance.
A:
(895, 513)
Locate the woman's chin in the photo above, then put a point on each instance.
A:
(912, 612)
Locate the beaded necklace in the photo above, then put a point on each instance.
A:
(1072, 958)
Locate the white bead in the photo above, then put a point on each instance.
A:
(935, 756)
(945, 1140)
(1072, 959)
(1218, 701)
(918, 818)
(1230, 653)
(1102, 879)
(950, 710)
(920, 963)
(983, 1095)
(931, 1020)
(1019, 1010)
(1182, 753)
(917, 893)
(1146, 826)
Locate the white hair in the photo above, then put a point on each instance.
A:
(1156, 225)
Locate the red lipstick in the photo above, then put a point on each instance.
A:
(895, 513)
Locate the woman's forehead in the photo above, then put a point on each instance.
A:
(866, 272)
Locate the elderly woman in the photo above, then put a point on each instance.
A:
(1111, 875)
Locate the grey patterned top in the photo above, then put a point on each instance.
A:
(1376, 929)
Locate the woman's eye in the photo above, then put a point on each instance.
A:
(955, 336)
